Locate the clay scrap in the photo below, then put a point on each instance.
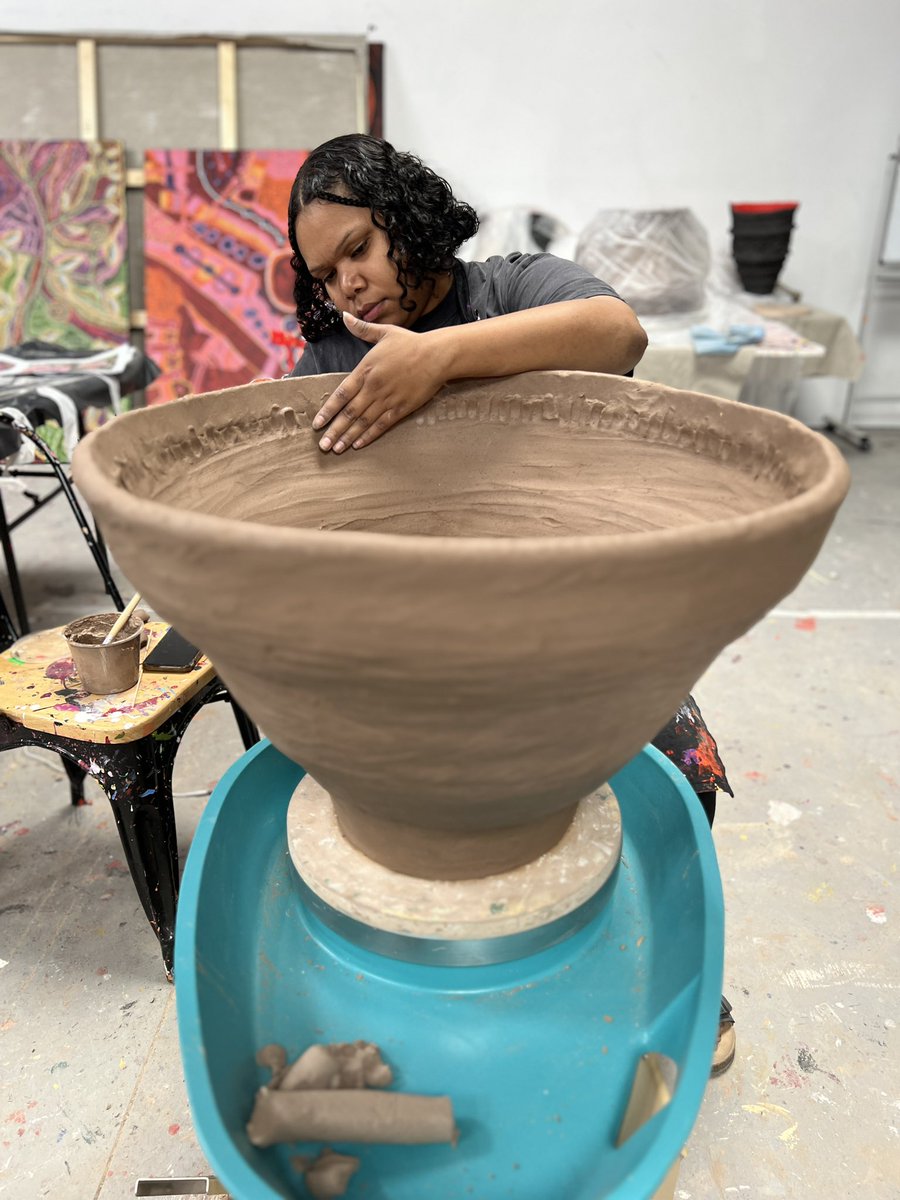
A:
(328, 1174)
(274, 1057)
(340, 1065)
(337, 1065)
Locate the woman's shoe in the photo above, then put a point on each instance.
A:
(723, 1055)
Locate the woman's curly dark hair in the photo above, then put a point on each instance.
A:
(424, 222)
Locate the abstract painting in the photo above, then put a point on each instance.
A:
(63, 272)
(217, 275)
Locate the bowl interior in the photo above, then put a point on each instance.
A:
(499, 465)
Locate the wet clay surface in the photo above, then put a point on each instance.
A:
(450, 853)
(501, 471)
(574, 551)
(90, 631)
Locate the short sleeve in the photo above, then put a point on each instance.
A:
(522, 281)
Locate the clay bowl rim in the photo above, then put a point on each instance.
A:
(823, 496)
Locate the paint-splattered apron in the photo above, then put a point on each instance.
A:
(692, 748)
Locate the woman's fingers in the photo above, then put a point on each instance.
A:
(340, 399)
(355, 420)
(346, 392)
(341, 439)
(377, 417)
(379, 426)
(358, 409)
(376, 429)
(369, 425)
(394, 379)
(358, 405)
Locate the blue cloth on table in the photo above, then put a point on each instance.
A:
(713, 341)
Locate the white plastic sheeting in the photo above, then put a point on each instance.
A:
(508, 230)
(657, 260)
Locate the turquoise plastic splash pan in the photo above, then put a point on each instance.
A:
(538, 1054)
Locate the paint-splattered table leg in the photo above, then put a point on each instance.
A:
(137, 779)
(76, 773)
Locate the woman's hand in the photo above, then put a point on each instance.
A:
(404, 370)
(398, 375)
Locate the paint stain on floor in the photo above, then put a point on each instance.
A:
(822, 892)
(780, 1114)
(806, 1062)
(785, 1074)
(782, 813)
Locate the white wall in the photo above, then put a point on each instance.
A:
(574, 105)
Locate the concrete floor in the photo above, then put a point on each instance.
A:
(806, 709)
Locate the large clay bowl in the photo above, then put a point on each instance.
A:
(463, 629)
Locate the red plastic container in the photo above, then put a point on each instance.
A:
(786, 206)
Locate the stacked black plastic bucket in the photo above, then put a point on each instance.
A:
(760, 236)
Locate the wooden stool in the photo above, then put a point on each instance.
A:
(127, 742)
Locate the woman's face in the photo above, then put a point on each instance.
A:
(348, 254)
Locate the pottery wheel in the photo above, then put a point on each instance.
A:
(531, 897)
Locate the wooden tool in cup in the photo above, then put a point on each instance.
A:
(122, 619)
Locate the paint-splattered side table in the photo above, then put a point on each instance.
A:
(126, 741)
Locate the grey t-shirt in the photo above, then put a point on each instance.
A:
(480, 290)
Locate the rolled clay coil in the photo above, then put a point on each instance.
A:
(350, 1116)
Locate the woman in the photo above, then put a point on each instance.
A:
(381, 294)
(382, 297)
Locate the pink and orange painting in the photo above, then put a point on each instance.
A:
(217, 274)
